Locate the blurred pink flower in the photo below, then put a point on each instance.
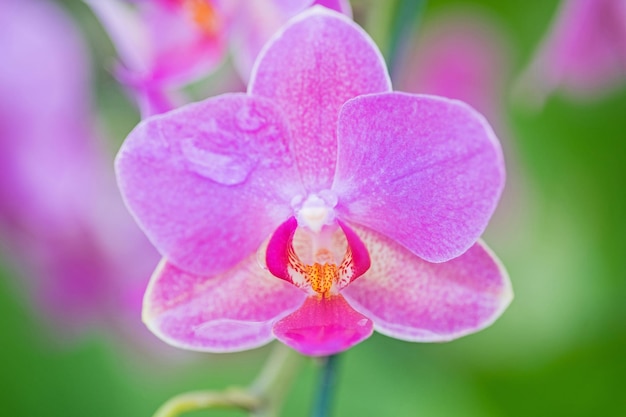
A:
(165, 44)
(463, 55)
(62, 221)
(318, 206)
(583, 53)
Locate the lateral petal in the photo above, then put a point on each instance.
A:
(410, 299)
(230, 312)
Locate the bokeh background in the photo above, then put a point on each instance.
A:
(560, 348)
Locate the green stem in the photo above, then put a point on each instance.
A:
(377, 22)
(326, 389)
(274, 380)
(203, 400)
(391, 24)
(404, 22)
(262, 399)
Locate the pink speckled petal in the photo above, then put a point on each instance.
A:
(425, 171)
(310, 69)
(210, 181)
(411, 299)
(323, 326)
(231, 312)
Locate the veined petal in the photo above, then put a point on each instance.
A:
(230, 312)
(210, 181)
(323, 326)
(310, 69)
(410, 299)
(422, 170)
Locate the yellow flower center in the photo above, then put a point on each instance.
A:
(323, 275)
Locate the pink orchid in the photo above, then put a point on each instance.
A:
(62, 220)
(583, 53)
(165, 44)
(460, 54)
(317, 206)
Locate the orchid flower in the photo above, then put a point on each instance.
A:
(460, 54)
(165, 44)
(583, 53)
(318, 206)
(64, 227)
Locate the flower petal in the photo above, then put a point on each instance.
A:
(410, 299)
(231, 312)
(323, 326)
(425, 171)
(277, 253)
(209, 181)
(310, 69)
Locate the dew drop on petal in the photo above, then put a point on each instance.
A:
(268, 141)
(249, 119)
(224, 169)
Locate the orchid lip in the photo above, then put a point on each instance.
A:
(318, 262)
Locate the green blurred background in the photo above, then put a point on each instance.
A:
(559, 350)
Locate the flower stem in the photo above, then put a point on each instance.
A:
(202, 400)
(262, 399)
(326, 388)
(274, 380)
(405, 19)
